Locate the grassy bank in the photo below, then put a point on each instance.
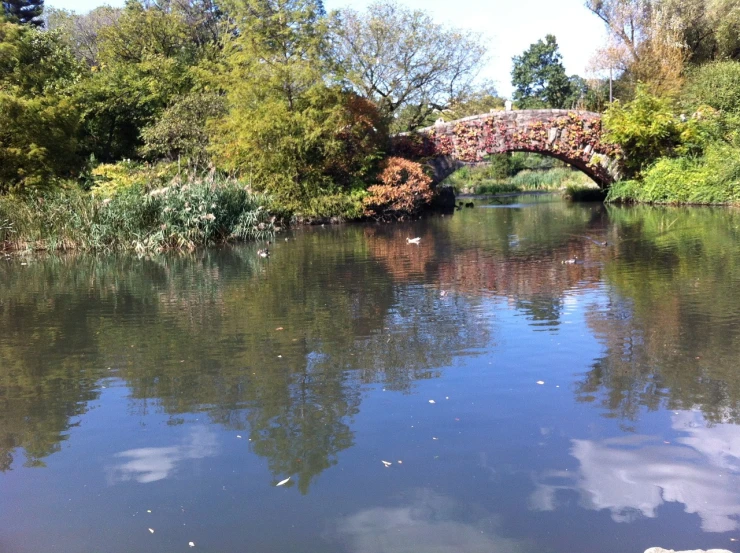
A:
(713, 178)
(482, 181)
(184, 215)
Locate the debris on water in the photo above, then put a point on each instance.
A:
(386, 463)
(447, 397)
(443, 293)
(238, 436)
(151, 530)
(432, 401)
(283, 482)
(280, 328)
(148, 510)
(191, 543)
(400, 462)
(540, 382)
(435, 438)
(280, 356)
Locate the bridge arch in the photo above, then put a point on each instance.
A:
(574, 137)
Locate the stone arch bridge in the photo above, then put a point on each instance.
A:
(574, 137)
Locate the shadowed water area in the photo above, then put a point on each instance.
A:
(521, 404)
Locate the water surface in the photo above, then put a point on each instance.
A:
(522, 404)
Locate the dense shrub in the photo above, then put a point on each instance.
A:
(180, 133)
(713, 178)
(645, 128)
(196, 213)
(715, 84)
(404, 190)
(110, 178)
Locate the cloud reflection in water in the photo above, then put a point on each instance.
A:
(429, 522)
(634, 475)
(150, 464)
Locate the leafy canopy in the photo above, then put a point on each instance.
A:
(539, 78)
(287, 127)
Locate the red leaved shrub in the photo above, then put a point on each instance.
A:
(404, 190)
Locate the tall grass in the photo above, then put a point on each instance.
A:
(180, 215)
(474, 180)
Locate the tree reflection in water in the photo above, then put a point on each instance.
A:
(359, 306)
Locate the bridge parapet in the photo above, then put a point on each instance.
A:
(574, 137)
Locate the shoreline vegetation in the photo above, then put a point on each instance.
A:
(184, 123)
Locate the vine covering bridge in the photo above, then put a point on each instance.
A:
(574, 137)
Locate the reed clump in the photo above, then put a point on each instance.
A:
(180, 215)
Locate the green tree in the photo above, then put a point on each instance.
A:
(180, 132)
(715, 84)
(24, 12)
(539, 77)
(288, 128)
(142, 60)
(38, 118)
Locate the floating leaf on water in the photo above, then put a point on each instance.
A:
(283, 482)
(386, 463)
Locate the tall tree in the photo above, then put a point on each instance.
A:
(142, 61)
(704, 29)
(539, 77)
(404, 61)
(24, 12)
(287, 124)
(38, 121)
(650, 41)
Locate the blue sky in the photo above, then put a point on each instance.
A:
(509, 27)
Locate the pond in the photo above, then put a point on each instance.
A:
(533, 376)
